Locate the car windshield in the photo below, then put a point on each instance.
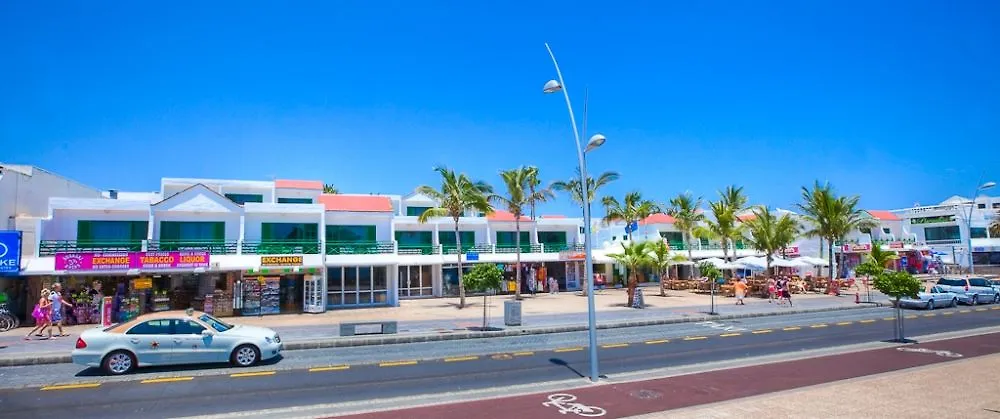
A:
(218, 325)
(952, 282)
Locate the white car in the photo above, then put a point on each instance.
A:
(172, 338)
(937, 297)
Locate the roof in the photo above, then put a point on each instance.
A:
(357, 203)
(883, 215)
(499, 215)
(659, 219)
(298, 184)
(552, 216)
(746, 217)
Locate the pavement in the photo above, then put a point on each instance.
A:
(440, 319)
(339, 381)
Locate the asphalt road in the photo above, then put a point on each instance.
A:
(309, 377)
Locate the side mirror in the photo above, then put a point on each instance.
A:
(207, 333)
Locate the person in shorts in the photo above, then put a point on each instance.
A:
(57, 307)
(786, 292)
(741, 292)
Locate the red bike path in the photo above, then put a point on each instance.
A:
(644, 397)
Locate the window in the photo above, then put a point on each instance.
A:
(152, 327)
(242, 198)
(942, 233)
(192, 230)
(350, 233)
(111, 230)
(981, 206)
(672, 236)
(295, 200)
(552, 237)
(218, 325)
(886, 230)
(416, 211)
(978, 282)
(952, 282)
(582, 230)
(187, 327)
(507, 238)
(929, 220)
(447, 238)
(978, 232)
(996, 205)
(414, 237)
(289, 231)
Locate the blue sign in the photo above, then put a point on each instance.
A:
(631, 227)
(10, 252)
(903, 261)
(472, 256)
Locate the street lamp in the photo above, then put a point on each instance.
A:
(968, 221)
(596, 141)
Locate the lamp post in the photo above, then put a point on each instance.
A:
(968, 221)
(596, 141)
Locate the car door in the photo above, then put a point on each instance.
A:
(150, 342)
(190, 345)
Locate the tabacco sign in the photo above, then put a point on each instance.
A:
(280, 260)
(10, 252)
(124, 261)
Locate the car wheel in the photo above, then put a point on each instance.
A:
(119, 363)
(245, 356)
(974, 300)
(996, 298)
(930, 304)
(954, 302)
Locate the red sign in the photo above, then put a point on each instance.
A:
(856, 247)
(896, 245)
(106, 311)
(790, 251)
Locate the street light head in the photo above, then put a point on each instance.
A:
(596, 141)
(987, 185)
(551, 86)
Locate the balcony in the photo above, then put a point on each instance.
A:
(451, 249)
(359, 248)
(557, 247)
(215, 247)
(677, 246)
(51, 247)
(419, 249)
(282, 247)
(525, 248)
(945, 241)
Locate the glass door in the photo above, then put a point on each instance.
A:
(312, 297)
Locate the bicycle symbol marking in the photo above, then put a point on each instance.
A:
(566, 403)
(946, 354)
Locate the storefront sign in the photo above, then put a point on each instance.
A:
(790, 251)
(142, 283)
(280, 260)
(106, 305)
(130, 260)
(10, 252)
(855, 247)
(896, 245)
(572, 255)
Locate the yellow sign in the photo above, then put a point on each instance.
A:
(280, 260)
(142, 283)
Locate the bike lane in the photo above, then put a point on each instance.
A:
(658, 395)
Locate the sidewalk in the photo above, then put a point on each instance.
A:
(432, 319)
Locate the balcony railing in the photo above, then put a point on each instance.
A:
(419, 249)
(451, 249)
(282, 247)
(215, 247)
(525, 248)
(945, 241)
(359, 248)
(678, 246)
(557, 247)
(51, 247)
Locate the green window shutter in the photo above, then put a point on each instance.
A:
(83, 231)
(266, 231)
(311, 231)
(370, 233)
(525, 238)
(140, 230)
(170, 230)
(219, 231)
(468, 237)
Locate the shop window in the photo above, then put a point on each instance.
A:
(416, 211)
(200, 231)
(942, 233)
(152, 327)
(295, 200)
(289, 232)
(187, 327)
(357, 233)
(978, 232)
(242, 198)
(111, 231)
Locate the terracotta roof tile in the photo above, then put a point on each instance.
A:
(556, 216)
(746, 217)
(298, 184)
(883, 215)
(659, 219)
(359, 203)
(499, 215)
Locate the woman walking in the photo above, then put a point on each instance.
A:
(42, 315)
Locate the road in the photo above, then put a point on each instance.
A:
(358, 374)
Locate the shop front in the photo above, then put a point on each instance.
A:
(281, 285)
(415, 281)
(852, 255)
(363, 286)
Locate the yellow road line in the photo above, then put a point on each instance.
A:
(845, 323)
(964, 311)
(726, 335)
(995, 308)
(523, 353)
(461, 358)
(910, 317)
(252, 374)
(951, 313)
(70, 386)
(615, 345)
(166, 380)
(574, 349)
(654, 342)
(888, 318)
(789, 329)
(695, 337)
(817, 326)
(330, 368)
(757, 332)
(867, 321)
(982, 309)
(397, 363)
(930, 315)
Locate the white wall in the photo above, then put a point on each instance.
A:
(295, 193)
(232, 221)
(25, 190)
(253, 222)
(63, 224)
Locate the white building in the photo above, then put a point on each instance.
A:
(945, 228)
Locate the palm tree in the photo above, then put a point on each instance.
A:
(543, 194)
(457, 195)
(880, 257)
(519, 194)
(635, 256)
(631, 210)
(330, 189)
(724, 226)
(662, 260)
(771, 233)
(819, 207)
(575, 191)
(687, 214)
(734, 198)
(850, 218)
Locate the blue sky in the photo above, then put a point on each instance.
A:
(898, 101)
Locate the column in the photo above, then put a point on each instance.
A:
(239, 241)
(150, 229)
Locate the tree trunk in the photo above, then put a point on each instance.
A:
(687, 243)
(663, 282)
(829, 286)
(461, 284)
(517, 242)
(631, 287)
(725, 250)
(484, 311)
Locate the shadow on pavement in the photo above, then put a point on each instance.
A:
(97, 372)
(557, 361)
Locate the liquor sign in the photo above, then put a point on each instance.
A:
(123, 261)
(281, 261)
(10, 252)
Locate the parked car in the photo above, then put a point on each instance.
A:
(172, 338)
(936, 298)
(971, 291)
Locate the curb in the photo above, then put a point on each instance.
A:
(343, 342)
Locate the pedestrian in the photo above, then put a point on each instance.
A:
(553, 286)
(532, 284)
(778, 286)
(741, 291)
(770, 289)
(786, 293)
(57, 306)
(41, 314)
